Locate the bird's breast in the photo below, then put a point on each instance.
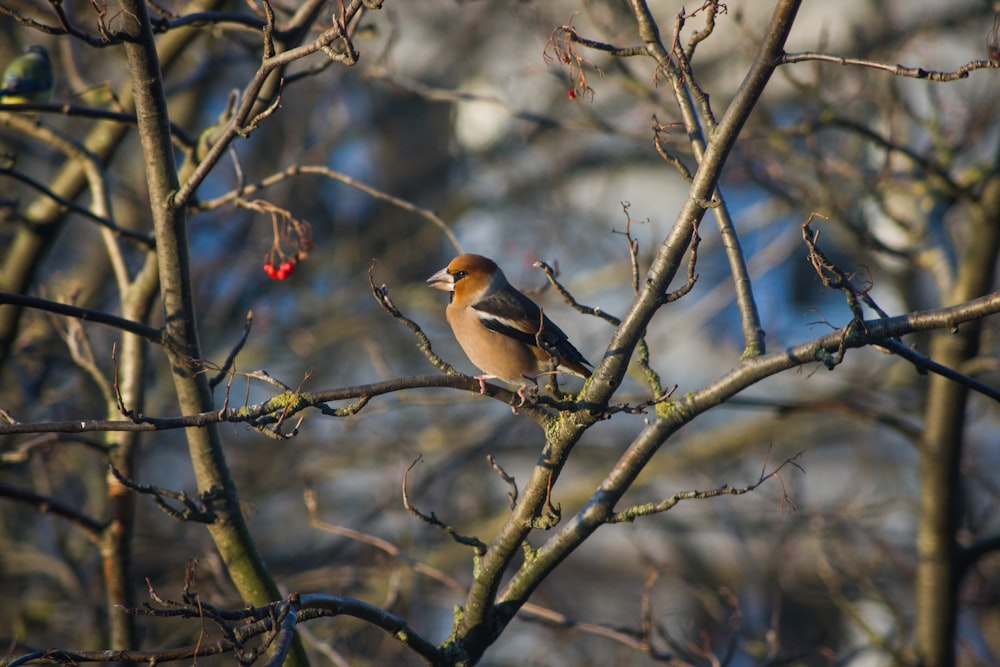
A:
(494, 353)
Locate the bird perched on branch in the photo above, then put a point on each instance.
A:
(28, 78)
(503, 332)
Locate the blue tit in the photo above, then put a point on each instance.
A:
(28, 78)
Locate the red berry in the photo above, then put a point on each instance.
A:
(571, 94)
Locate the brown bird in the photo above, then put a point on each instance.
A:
(503, 332)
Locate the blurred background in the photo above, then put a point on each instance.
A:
(462, 108)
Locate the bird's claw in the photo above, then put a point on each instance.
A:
(520, 392)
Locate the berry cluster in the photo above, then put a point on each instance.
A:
(280, 272)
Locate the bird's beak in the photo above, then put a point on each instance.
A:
(442, 280)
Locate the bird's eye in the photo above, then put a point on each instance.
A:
(458, 275)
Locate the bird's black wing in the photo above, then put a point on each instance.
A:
(512, 314)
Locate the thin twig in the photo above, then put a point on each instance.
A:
(477, 545)
(381, 294)
(309, 496)
(90, 526)
(511, 482)
(326, 172)
(635, 511)
(199, 513)
(897, 70)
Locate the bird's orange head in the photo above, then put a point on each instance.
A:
(470, 277)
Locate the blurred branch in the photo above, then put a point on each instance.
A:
(538, 119)
(873, 332)
(241, 124)
(178, 134)
(925, 161)
(45, 216)
(139, 237)
(943, 495)
(836, 278)
(37, 303)
(856, 409)
(630, 514)
(702, 136)
(478, 546)
(91, 527)
(65, 26)
(82, 352)
(92, 168)
(633, 639)
(197, 512)
(897, 70)
(229, 531)
(271, 622)
(295, 170)
(972, 554)
(23, 452)
(848, 603)
(309, 495)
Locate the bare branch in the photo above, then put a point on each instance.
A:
(228, 363)
(835, 278)
(511, 482)
(381, 294)
(200, 512)
(91, 527)
(309, 494)
(326, 172)
(139, 329)
(570, 300)
(632, 513)
(140, 238)
(897, 70)
(477, 545)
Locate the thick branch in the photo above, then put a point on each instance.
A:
(600, 509)
(939, 564)
(230, 533)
